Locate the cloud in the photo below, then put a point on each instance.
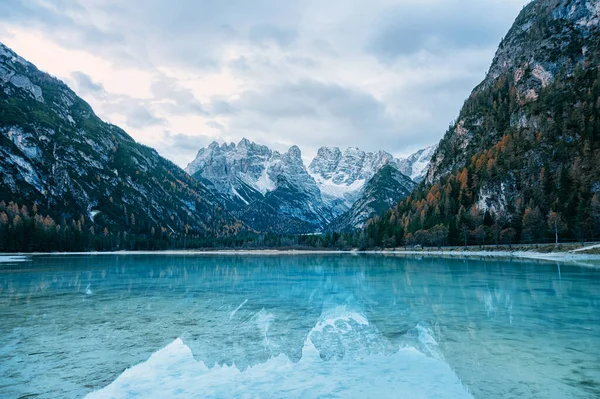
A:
(215, 125)
(312, 113)
(136, 111)
(222, 107)
(383, 74)
(182, 145)
(85, 84)
(138, 115)
(181, 100)
(438, 27)
(313, 99)
(48, 13)
(267, 34)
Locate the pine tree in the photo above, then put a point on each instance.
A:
(533, 224)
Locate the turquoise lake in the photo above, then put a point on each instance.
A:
(297, 326)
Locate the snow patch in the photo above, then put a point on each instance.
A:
(264, 184)
(93, 214)
(340, 191)
(420, 165)
(235, 192)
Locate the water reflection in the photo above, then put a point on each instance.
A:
(507, 328)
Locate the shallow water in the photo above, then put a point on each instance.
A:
(336, 326)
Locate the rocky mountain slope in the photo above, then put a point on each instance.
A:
(275, 192)
(382, 192)
(416, 165)
(57, 154)
(342, 176)
(269, 190)
(521, 163)
(84, 178)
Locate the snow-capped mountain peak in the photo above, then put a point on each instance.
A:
(346, 168)
(341, 176)
(417, 164)
(266, 188)
(225, 164)
(294, 152)
(249, 174)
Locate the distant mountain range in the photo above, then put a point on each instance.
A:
(95, 179)
(271, 191)
(521, 163)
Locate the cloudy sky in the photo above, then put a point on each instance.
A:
(177, 75)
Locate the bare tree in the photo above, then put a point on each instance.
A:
(556, 223)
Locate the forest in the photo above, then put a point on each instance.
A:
(530, 171)
(544, 184)
(24, 229)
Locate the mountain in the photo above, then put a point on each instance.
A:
(382, 192)
(341, 177)
(521, 162)
(274, 192)
(550, 44)
(416, 165)
(88, 175)
(358, 185)
(268, 190)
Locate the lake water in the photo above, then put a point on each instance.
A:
(334, 326)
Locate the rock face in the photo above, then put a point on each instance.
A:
(382, 192)
(55, 152)
(342, 177)
(275, 192)
(416, 166)
(549, 38)
(239, 172)
(269, 190)
(521, 162)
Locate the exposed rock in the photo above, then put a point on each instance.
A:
(385, 189)
(67, 161)
(271, 191)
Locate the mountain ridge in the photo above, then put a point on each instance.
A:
(520, 164)
(382, 192)
(59, 156)
(252, 177)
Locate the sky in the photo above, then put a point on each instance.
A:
(177, 75)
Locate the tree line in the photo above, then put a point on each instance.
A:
(517, 167)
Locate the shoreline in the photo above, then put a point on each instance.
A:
(586, 260)
(577, 256)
